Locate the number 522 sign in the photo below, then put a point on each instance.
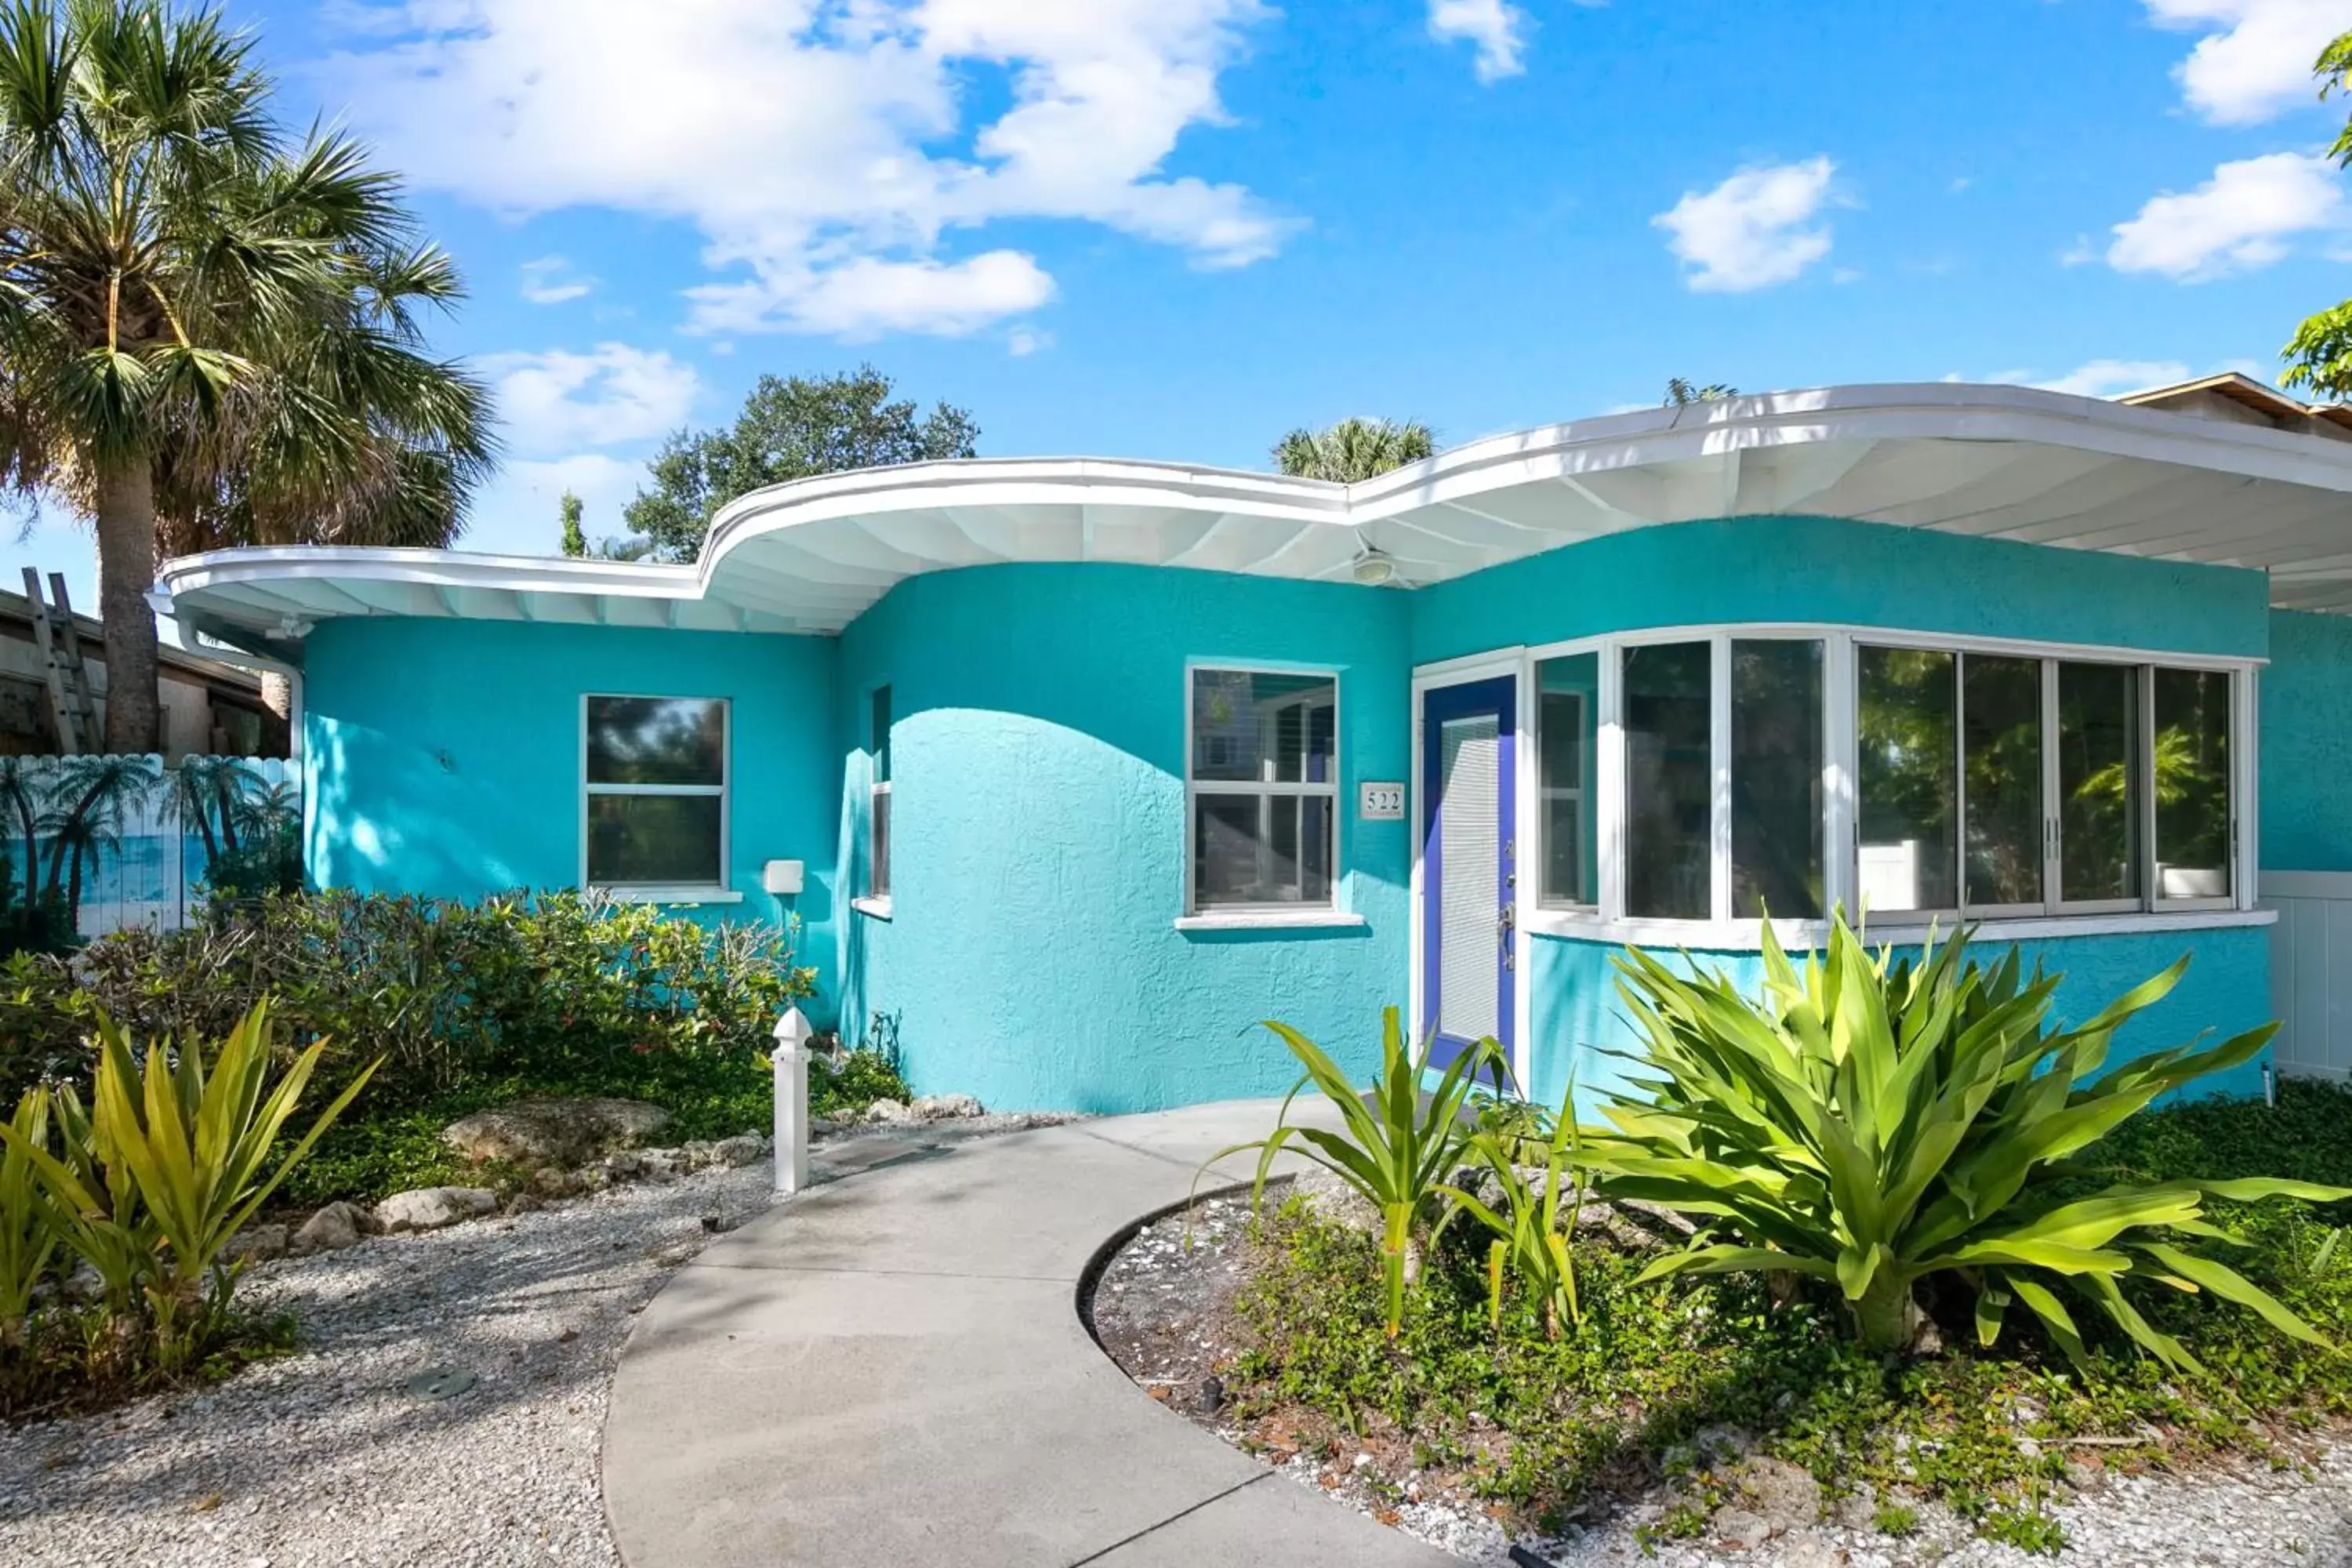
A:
(1381, 802)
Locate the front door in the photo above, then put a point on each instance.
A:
(1468, 876)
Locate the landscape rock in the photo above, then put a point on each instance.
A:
(256, 1243)
(743, 1149)
(332, 1228)
(944, 1107)
(1784, 1495)
(887, 1110)
(430, 1209)
(1334, 1201)
(1742, 1530)
(554, 1131)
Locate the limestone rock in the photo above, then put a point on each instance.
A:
(332, 1228)
(256, 1243)
(943, 1108)
(743, 1149)
(1333, 1201)
(554, 1132)
(430, 1209)
(887, 1111)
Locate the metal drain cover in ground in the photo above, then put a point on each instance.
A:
(441, 1383)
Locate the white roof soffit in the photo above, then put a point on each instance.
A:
(1997, 462)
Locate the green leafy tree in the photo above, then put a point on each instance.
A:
(2319, 356)
(790, 428)
(1354, 450)
(208, 333)
(1680, 392)
(575, 541)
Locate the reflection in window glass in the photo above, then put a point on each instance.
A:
(2000, 712)
(657, 741)
(1669, 776)
(2098, 782)
(1569, 698)
(1908, 741)
(654, 840)
(1777, 746)
(2193, 783)
(1265, 776)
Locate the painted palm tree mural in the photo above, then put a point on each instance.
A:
(89, 843)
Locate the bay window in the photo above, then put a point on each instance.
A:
(1724, 775)
(1262, 784)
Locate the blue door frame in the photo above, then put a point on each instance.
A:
(1497, 698)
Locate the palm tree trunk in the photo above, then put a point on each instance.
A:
(278, 694)
(126, 570)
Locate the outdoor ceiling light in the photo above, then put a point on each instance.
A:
(1374, 568)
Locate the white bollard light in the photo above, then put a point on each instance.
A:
(792, 1059)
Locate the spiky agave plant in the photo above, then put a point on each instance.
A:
(1876, 1121)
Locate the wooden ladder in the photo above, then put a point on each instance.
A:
(60, 646)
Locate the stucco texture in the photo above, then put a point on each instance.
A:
(1830, 569)
(1581, 1020)
(2307, 756)
(1038, 861)
(444, 757)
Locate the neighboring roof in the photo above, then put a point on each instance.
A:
(2285, 412)
(1995, 461)
(16, 621)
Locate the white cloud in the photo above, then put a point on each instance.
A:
(827, 149)
(2256, 58)
(2111, 377)
(1022, 341)
(2238, 220)
(559, 401)
(1495, 28)
(1755, 229)
(551, 280)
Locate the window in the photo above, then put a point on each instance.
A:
(656, 791)
(1568, 720)
(1720, 775)
(1262, 788)
(1906, 731)
(1669, 779)
(1779, 749)
(877, 799)
(2194, 818)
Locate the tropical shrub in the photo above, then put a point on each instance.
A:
(1883, 1123)
(1524, 1219)
(1398, 1152)
(180, 1146)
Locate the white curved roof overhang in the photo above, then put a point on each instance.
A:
(810, 557)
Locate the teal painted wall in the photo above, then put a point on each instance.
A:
(443, 757)
(1827, 569)
(1579, 1017)
(2307, 756)
(1037, 813)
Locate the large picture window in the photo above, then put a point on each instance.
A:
(656, 791)
(1718, 776)
(1262, 786)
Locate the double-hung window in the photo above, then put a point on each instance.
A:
(877, 800)
(656, 788)
(1262, 786)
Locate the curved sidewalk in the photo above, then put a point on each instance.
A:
(890, 1368)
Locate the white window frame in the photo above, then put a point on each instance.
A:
(1608, 921)
(1587, 724)
(715, 891)
(1332, 911)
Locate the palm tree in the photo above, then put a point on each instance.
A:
(1353, 449)
(24, 794)
(87, 801)
(206, 333)
(79, 843)
(1680, 392)
(207, 789)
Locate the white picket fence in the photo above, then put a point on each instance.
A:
(146, 866)
(2310, 971)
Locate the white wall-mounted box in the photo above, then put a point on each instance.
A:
(782, 877)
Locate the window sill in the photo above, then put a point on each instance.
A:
(673, 893)
(874, 909)
(1743, 936)
(1269, 920)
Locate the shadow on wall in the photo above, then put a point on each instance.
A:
(431, 833)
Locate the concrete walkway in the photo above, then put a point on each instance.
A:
(890, 1368)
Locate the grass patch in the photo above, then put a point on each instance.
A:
(1539, 1425)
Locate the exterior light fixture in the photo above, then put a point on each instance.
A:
(1374, 567)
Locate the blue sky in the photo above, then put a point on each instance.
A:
(1175, 229)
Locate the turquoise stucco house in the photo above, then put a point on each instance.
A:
(1072, 770)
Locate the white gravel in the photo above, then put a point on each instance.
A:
(328, 1456)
